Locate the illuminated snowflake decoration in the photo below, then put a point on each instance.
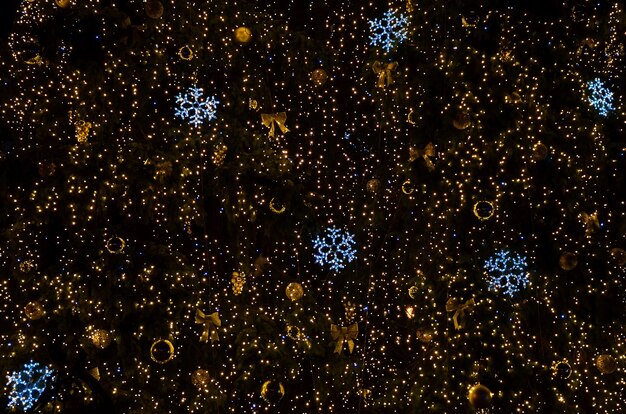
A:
(194, 107)
(507, 272)
(600, 97)
(390, 30)
(28, 384)
(334, 248)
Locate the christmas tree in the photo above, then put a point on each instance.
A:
(278, 206)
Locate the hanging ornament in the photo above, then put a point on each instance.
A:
(238, 280)
(294, 291)
(211, 323)
(34, 310)
(279, 119)
(243, 35)
(276, 206)
(384, 72)
(200, 379)
(82, 130)
(27, 265)
(540, 152)
(95, 372)
(272, 391)
(479, 396)
(483, 210)
(568, 261)
(459, 308)
(413, 292)
(253, 104)
(618, 255)
(462, 120)
(293, 332)
(154, 9)
(162, 351)
(319, 76)
(373, 185)
(426, 153)
(341, 334)
(590, 221)
(350, 310)
(219, 154)
(424, 335)
(101, 338)
(407, 187)
(606, 364)
(63, 3)
(185, 53)
(561, 369)
(115, 245)
(469, 20)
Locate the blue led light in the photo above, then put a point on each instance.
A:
(600, 97)
(507, 272)
(334, 248)
(390, 30)
(193, 107)
(28, 384)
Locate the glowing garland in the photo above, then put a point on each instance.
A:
(507, 272)
(390, 30)
(334, 248)
(193, 107)
(28, 384)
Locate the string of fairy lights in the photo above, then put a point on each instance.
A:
(380, 180)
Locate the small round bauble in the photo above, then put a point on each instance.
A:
(272, 391)
(101, 338)
(568, 261)
(618, 255)
(462, 121)
(243, 35)
(540, 151)
(373, 185)
(154, 9)
(483, 210)
(162, 351)
(479, 396)
(562, 369)
(606, 364)
(319, 76)
(34, 310)
(200, 378)
(63, 3)
(294, 291)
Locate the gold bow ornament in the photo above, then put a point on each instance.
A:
(453, 305)
(343, 334)
(384, 72)
(426, 153)
(279, 118)
(211, 323)
(590, 221)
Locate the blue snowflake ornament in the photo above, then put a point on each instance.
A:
(390, 30)
(28, 384)
(334, 248)
(194, 107)
(507, 272)
(600, 97)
